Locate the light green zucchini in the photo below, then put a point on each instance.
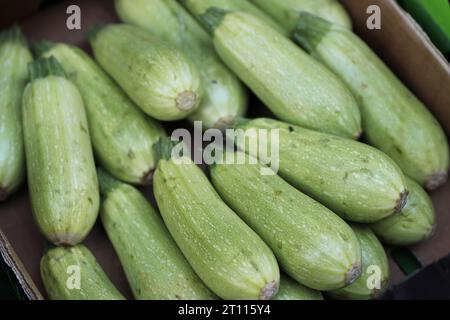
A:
(14, 57)
(415, 223)
(375, 269)
(73, 273)
(225, 97)
(295, 87)
(287, 12)
(197, 7)
(292, 290)
(356, 181)
(155, 267)
(162, 81)
(394, 120)
(122, 135)
(225, 253)
(312, 244)
(62, 178)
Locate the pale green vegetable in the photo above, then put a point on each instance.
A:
(355, 180)
(14, 57)
(415, 223)
(62, 178)
(375, 269)
(293, 86)
(287, 12)
(224, 98)
(292, 290)
(312, 244)
(122, 135)
(394, 120)
(162, 81)
(198, 7)
(73, 273)
(155, 267)
(227, 255)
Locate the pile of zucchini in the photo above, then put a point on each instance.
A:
(87, 132)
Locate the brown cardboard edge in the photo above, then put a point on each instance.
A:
(12, 261)
(409, 20)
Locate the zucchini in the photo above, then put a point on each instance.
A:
(14, 57)
(155, 267)
(122, 136)
(415, 223)
(163, 82)
(287, 12)
(292, 290)
(394, 120)
(62, 178)
(226, 254)
(197, 7)
(354, 180)
(295, 87)
(312, 244)
(60, 267)
(375, 269)
(225, 97)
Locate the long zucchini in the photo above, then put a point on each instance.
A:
(197, 7)
(354, 180)
(155, 267)
(162, 81)
(394, 120)
(295, 87)
(62, 178)
(292, 290)
(375, 269)
(312, 244)
(14, 57)
(122, 136)
(225, 253)
(73, 273)
(287, 12)
(415, 223)
(225, 97)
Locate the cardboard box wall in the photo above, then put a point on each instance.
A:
(400, 43)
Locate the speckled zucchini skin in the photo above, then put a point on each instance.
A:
(373, 255)
(292, 290)
(59, 264)
(312, 244)
(62, 178)
(287, 12)
(415, 223)
(224, 96)
(291, 84)
(122, 135)
(354, 180)
(198, 7)
(155, 268)
(394, 120)
(162, 81)
(14, 57)
(225, 253)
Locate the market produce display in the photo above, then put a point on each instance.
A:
(306, 221)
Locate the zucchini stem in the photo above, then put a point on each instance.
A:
(212, 18)
(40, 48)
(45, 67)
(310, 30)
(106, 182)
(163, 148)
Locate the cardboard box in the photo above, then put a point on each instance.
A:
(400, 42)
